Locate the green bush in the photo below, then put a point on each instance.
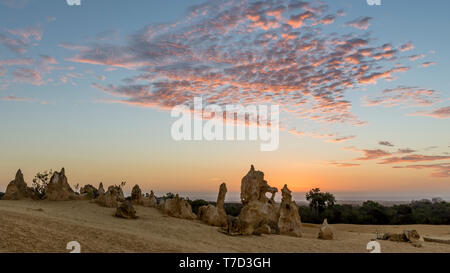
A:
(198, 203)
(373, 213)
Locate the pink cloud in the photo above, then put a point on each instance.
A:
(405, 151)
(407, 46)
(416, 57)
(14, 98)
(373, 154)
(344, 165)
(413, 158)
(404, 95)
(440, 113)
(28, 33)
(247, 53)
(360, 23)
(19, 39)
(372, 78)
(28, 75)
(11, 62)
(426, 64)
(341, 139)
(73, 46)
(386, 143)
(440, 170)
(297, 21)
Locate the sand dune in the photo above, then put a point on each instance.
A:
(45, 226)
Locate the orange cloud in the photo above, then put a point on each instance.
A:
(344, 165)
(373, 154)
(413, 158)
(440, 113)
(360, 23)
(404, 95)
(426, 64)
(407, 46)
(440, 170)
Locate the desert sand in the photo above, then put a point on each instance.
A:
(46, 226)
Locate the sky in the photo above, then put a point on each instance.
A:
(363, 92)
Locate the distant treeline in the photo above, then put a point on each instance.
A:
(436, 212)
(373, 213)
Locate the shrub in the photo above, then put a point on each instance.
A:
(233, 209)
(40, 182)
(198, 203)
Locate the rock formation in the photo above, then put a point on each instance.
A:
(18, 189)
(110, 199)
(101, 190)
(289, 222)
(126, 210)
(412, 235)
(257, 210)
(137, 198)
(215, 215)
(326, 231)
(89, 192)
(136, 195)
(58, 189)
(152, 202)
(407, 236)
(178, 207)
(233, 227)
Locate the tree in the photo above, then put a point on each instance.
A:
(320, 200)
(169, 195)
(374, 213)
(40, 182)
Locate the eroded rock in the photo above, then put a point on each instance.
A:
(215, 215)
(126, 210)
(152, 202)
(407, 236)
(234, 226)
(89, 192)
(289, 222)
(58, 189)
(178, 207)
(137, 198)
(257, 208)
(100, 190)
(112, 197)
(326, 231)
(17, 189)
(136, 195)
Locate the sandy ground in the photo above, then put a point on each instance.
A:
(44, 226)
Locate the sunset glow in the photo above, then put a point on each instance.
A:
(363, 93)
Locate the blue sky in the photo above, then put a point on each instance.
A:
(87, 87)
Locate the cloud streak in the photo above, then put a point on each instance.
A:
(440, 170)
(439, 113)
(413, 158)
(362, 23)
(404, 96)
